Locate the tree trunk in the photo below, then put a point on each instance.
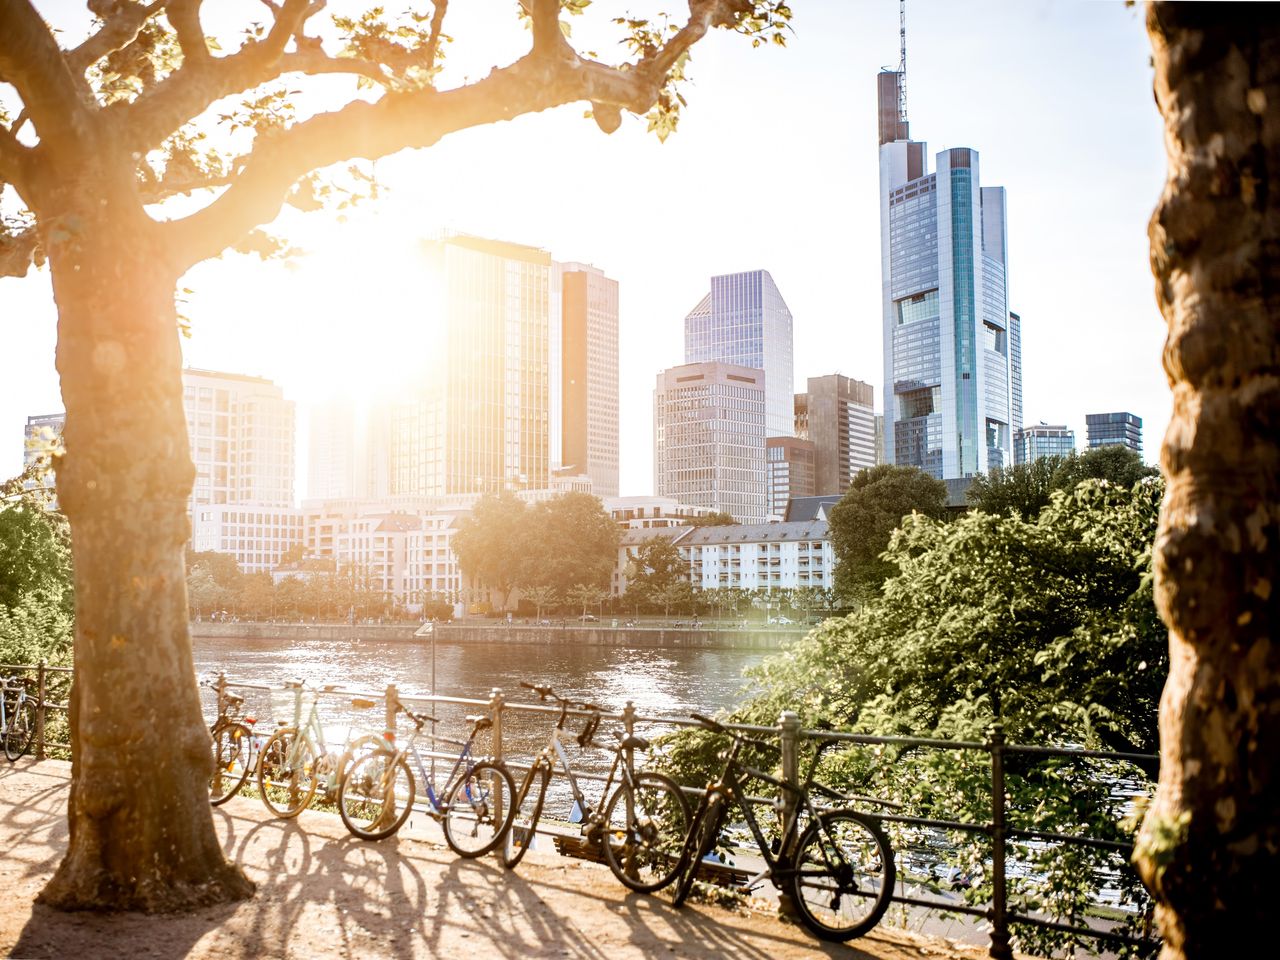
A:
(141, 829)
(1208, 846)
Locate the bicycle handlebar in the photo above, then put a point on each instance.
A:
(546, 693)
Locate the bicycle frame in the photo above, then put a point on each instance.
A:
(464, 762)
(592, 814)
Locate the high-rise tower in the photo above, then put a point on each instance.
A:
(949, 405)
(589, 375)
(745, 321)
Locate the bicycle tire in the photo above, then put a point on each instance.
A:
(655, 838)
(232, 745)
(702, 837)
(286, 790)
(363, 793)
(523, 824)
(840, 859)
(20, 729)
(470, 810)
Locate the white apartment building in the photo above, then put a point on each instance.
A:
(766, 556)
(257, 535)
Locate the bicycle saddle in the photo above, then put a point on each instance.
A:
(480, 721)
(633, 742)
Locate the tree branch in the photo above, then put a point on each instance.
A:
(121, 22)
(437, 23)
(13, 158)
(419, 118)
(548, 41)
(189, 90)
(18, 253)
(184, 17)
(55, 99)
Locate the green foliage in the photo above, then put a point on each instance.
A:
(32, 629)
(1026, 488)
(35, 556)
(1047, 625)
(656, 566)
(487, 542)
(863, 521)
(567, 542)
(558, 544)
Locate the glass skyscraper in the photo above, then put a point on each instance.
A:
(949, 376)
(1119, 429)
(745, 321)
(1044, 440)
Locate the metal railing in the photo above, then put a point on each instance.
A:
(43, 672)
(788, 729)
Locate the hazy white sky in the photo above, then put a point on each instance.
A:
(774, 166)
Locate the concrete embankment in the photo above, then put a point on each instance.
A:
(631, 637)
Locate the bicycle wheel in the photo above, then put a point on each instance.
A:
(20, 729)
(286, 776)
(376, 794)
(643, 849)
(701, 840)
(231, 745)
(526, 811)
(844, 875)
(479, 810)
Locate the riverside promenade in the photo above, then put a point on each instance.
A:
(324, 894)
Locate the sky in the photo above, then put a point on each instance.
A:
(774, 166)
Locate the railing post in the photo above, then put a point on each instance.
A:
(1000, 948)
(221, 688)
(629, 758)
(40, 685)
(391, 699)
(789, 734)
(496, 703)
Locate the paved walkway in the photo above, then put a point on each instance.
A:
(324, 894)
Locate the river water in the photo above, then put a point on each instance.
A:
(660, 682)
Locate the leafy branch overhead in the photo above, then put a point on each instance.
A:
(220, 117)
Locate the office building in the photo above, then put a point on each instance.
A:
(743, 320)
(1043, 440)
(481, 416)
(1015, 371)
(790, 465)
(589, 376)
(41, 441)
(837, 414)
(949, 379)
(241, 430)
(333, 451)
(709, 432)
(1114, 429)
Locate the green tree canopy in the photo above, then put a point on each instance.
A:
(568, 541)
(487, 542)
(656, 566)
(718, 519)
(1025, 488)
(35, 556)
(862, 522)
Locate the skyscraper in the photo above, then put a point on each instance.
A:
(333, 453)
(949, 405)
(480, 418)
(789, 461)
(708, 438)
(1114, 429)
(1043, 440)
(743, 320)
(838, 415)
(589, 375)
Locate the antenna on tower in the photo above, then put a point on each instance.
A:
(902, 60)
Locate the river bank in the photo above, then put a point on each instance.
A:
(571, 634)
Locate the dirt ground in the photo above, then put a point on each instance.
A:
(324, 894)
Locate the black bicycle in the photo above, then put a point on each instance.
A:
(837, 865)
(640, 826)
(233, 747)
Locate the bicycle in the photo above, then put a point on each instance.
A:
(378, 790)
(839, 869)
(17, 717)
(233, 747)
(640, 824)
(296, 757)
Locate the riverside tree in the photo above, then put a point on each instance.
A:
(103, 132)
(1209, 843)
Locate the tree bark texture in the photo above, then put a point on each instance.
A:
(141, 830)
(1208, 845)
